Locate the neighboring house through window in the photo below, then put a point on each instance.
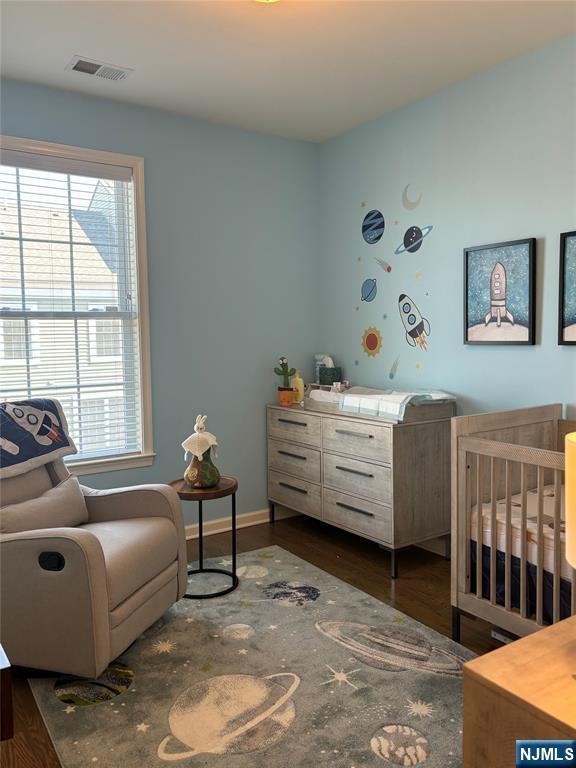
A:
(13, 342)
(73, 295)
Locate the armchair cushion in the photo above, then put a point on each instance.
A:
(135, 551)
(60, 507)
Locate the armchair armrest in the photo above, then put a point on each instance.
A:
(134, 501)
(141, 501)
(41, 604)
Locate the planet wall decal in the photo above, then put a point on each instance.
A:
(400, 745)
(369, 289)
(392, 648)
(230, 715)
(373, 226)
(413, 239)
(372, 341)
(115, 679)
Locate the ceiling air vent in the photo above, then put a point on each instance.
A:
(98, 69)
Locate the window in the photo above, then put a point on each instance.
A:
(13, 340)
(105, 340)
(73, 295)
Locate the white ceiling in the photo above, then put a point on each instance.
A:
(307, 69)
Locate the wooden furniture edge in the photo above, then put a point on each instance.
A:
(479, 679)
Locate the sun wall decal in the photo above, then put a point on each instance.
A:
(372, 341)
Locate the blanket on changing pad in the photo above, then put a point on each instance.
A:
(32, 433)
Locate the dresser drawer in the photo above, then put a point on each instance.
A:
(295, 425)
(367, 440)
(358, 477)
(294, 460)
(295, 494)
(364, 517)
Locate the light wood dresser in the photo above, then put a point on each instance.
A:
(384, 481)
(525, 690)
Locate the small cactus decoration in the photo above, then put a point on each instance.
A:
(284, 371)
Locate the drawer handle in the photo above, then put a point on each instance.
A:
(293, 455)
(293, 488)
(295, 423)
(354, 434)
(354, 509)
(354, 471)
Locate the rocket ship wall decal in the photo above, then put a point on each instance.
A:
(416, 326)
(498, 309)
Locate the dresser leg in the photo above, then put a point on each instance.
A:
(271, 512)
(456, 616)
(393, 564)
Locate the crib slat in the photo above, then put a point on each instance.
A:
(508, 554)
(479, 526)
(557, 560)
(494, 532)
(540, 548)
(468, 517)
(523, 502)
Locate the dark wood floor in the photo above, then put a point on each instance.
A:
(422, 591)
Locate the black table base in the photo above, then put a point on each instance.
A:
(201, 569)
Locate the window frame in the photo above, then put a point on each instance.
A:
(145, 457)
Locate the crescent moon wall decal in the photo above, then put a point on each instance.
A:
(407, 203)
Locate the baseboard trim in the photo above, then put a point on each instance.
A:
(244, 520)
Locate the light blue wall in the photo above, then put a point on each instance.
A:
(254, 247)
(232, 252)
(495, 160)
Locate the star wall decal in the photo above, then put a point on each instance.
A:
(142, 727)
(69, 709)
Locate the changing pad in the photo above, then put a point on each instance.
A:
(387, 403)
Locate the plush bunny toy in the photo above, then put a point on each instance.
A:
(201, 472)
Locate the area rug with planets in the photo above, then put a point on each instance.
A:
(294, 668)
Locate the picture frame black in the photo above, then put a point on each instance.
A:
(564, 238)
(530, 245)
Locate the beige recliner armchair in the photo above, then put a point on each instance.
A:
(74, 597)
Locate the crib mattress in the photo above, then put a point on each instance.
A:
(531, 528)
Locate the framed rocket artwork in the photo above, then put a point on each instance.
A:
(567, 301)
(500, 293)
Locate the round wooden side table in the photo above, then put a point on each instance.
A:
(227, 486)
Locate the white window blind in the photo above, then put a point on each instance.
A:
(69, 308)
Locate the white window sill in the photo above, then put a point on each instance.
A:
(110, 464)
